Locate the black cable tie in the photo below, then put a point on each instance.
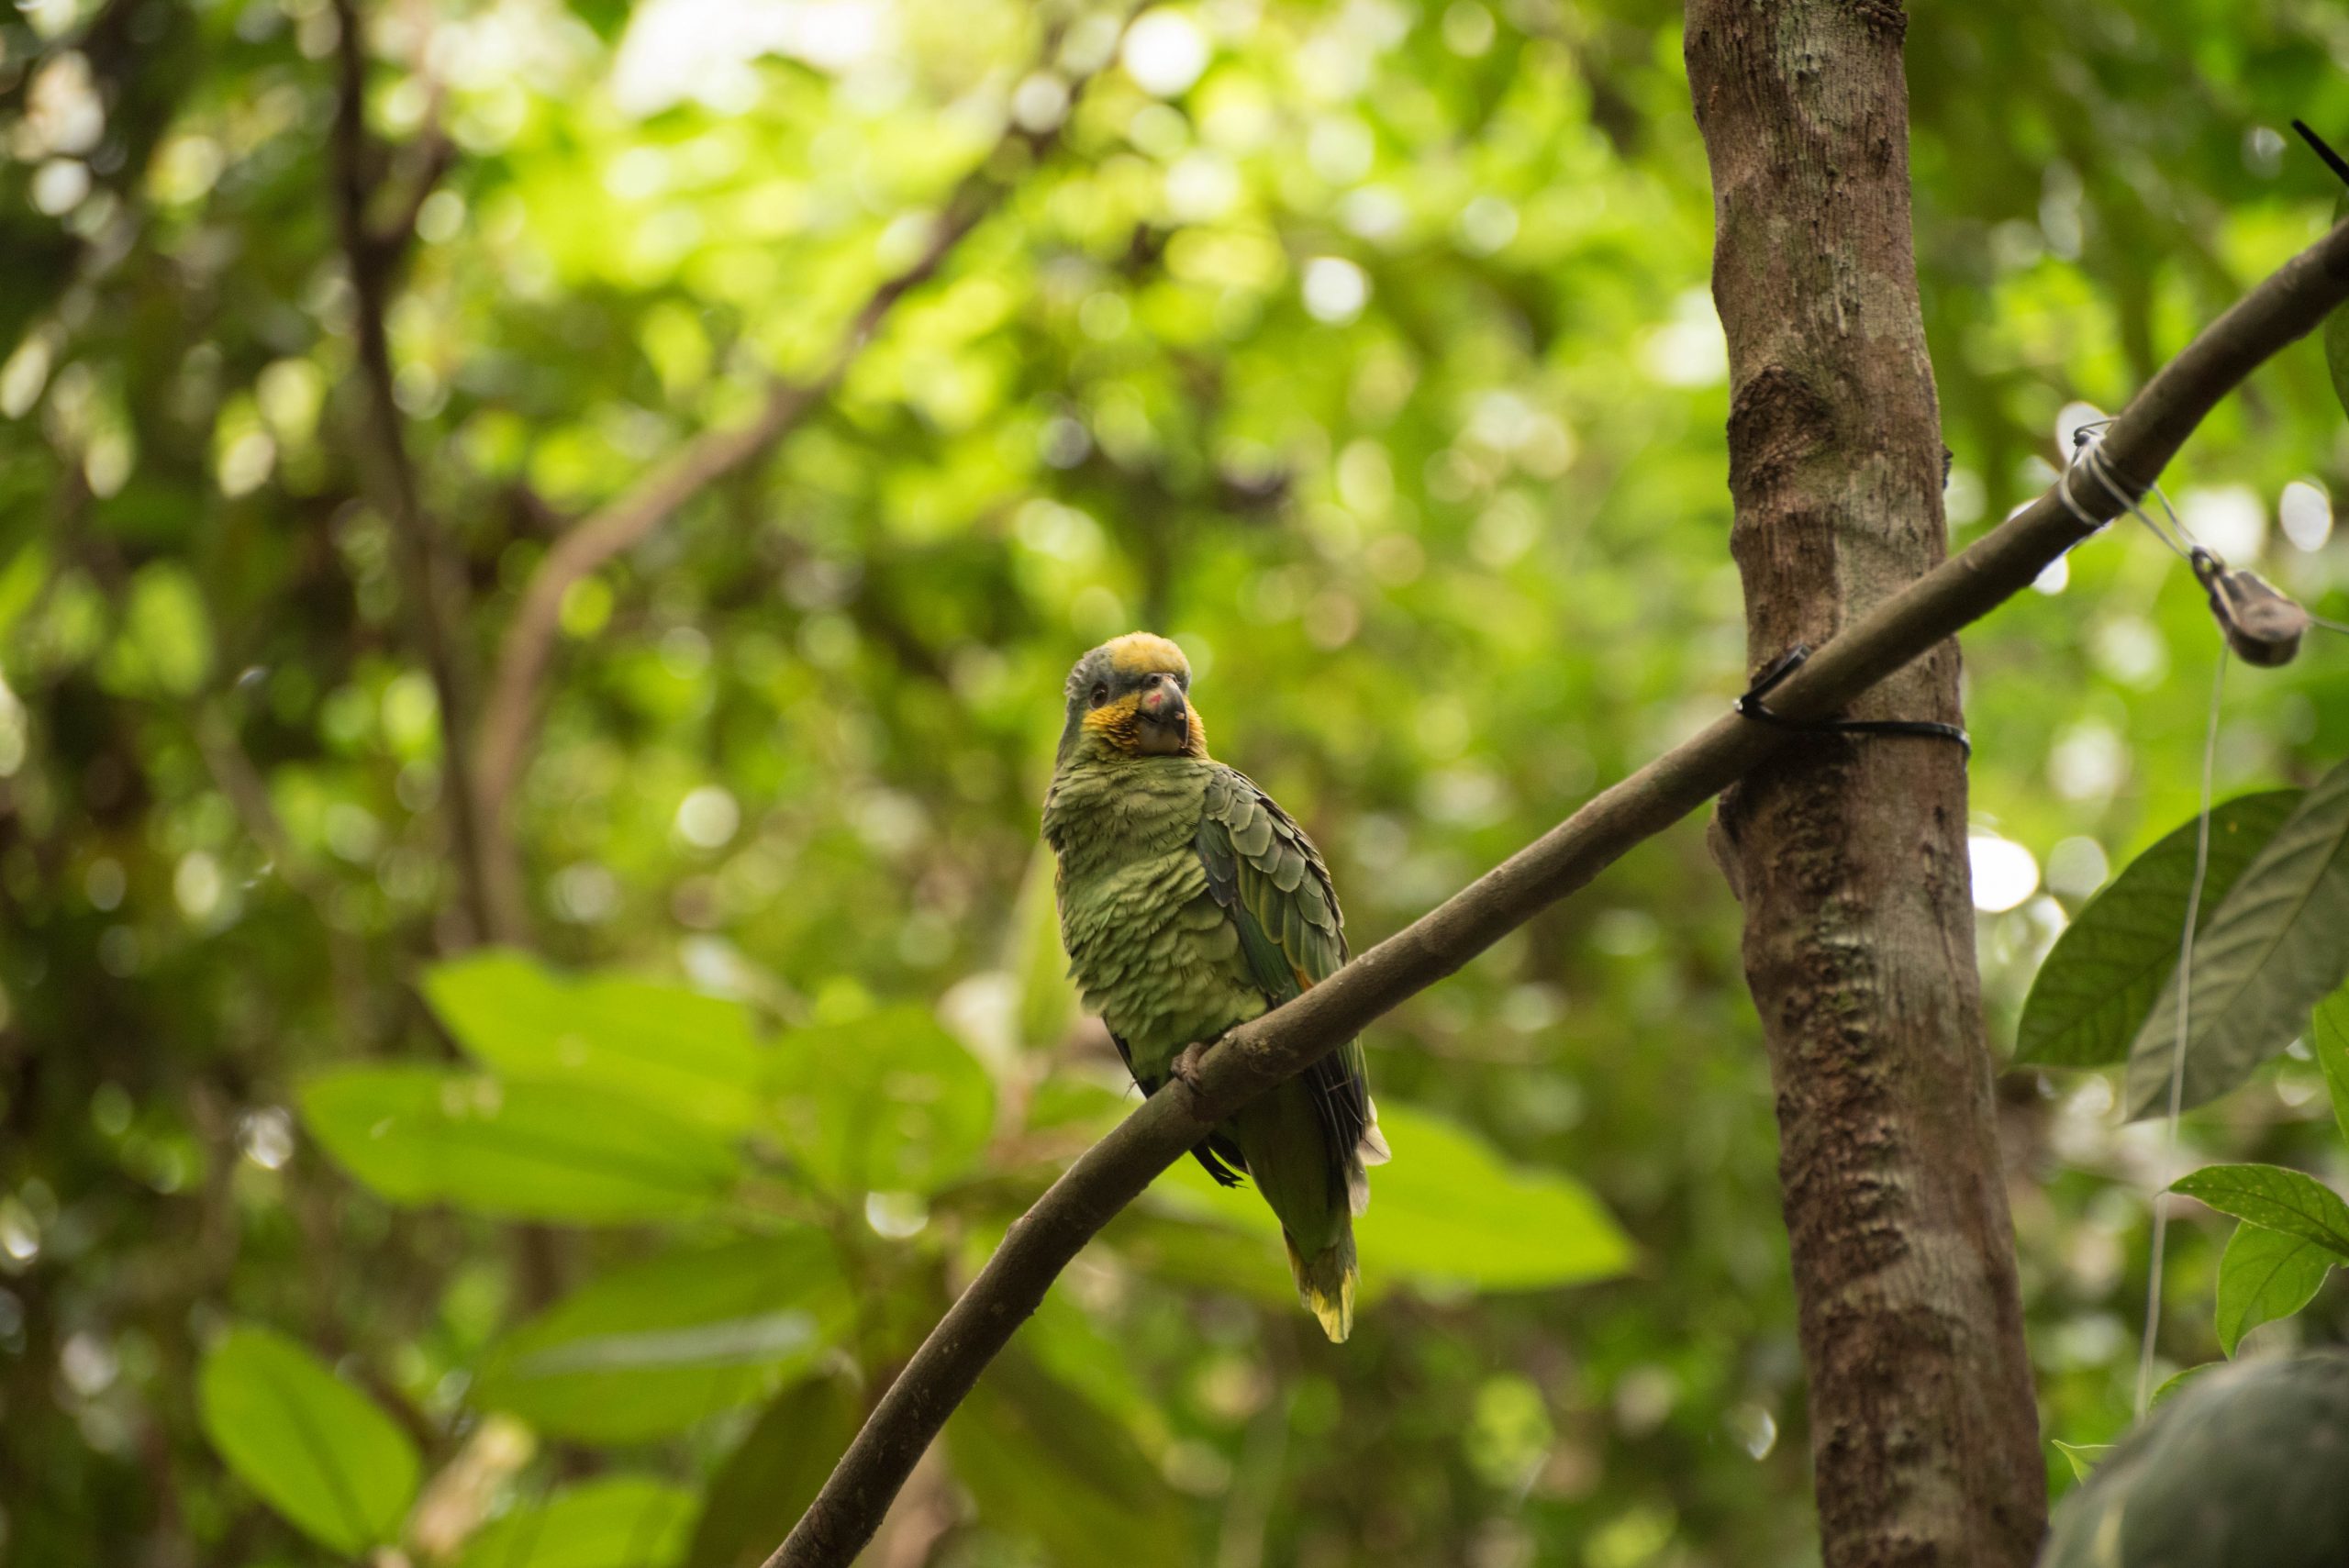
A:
(2317, 144)
(1750, 705)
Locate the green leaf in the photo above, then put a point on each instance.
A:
(316, 1449)
(2106, 971)
(774, 1474)
(424, 1135)
(1447, 1211)
(1044, 1462)
(694, 1055)
(2328, 1038)
(2176, 1383)
(890, 1103)
(2265, 1274)
(2279, 944)
(1161, 1239)
(656, 1347)
(620, 1521)
(2269, 1196)
(2084, 1457)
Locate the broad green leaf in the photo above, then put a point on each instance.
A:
(662, 1045)
(2106, 971)
(2279, 944)
(774, 1474)
(2084, 1457)
(890, 1103)
(2265, 1274)
(1218, 1256)
(1073, 1349)
(2269, 1196)
(657, 1346)
(618, 1521)
(1044, 1462)
(2328, 1038)
(1449, 1211)
(2176, 1383)
(316, 1449)
(424, 1135)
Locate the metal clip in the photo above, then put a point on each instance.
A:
(2263, 625)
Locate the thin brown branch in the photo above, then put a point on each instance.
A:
(1284, 1043)
(435, 590)
(509, 722)
(433, 156)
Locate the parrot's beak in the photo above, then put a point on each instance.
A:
(1163, 720)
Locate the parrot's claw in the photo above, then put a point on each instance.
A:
(1185, 1066)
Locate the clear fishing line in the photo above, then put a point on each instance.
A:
(2177, 1047)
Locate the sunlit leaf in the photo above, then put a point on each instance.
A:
(2267, 1275)
(2279, 944)
(2083, 1457)
(318, 1450)
(619, 1521)
(662, 1045)
(2288, 1201)
(1043, 1463)
(1183, 1235)
(890, 1103)
(774, 1474)
(656, 1347)
(422, 1135)
(2328, 1038)
(2106, 971)
(2178, 1382)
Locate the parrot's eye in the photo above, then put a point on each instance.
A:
(1100, 695)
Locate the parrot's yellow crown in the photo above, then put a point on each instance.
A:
(1145, 654)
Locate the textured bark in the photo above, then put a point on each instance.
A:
(1850, 856)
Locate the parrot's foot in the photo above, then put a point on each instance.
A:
(1185, 1066)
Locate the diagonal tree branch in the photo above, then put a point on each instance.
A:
(435, 592)
(510, 722)
(1284, 1043)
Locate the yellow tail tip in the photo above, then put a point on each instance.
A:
(1326, 1286)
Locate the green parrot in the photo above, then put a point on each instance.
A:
(1190, 904)
(2246, 1467)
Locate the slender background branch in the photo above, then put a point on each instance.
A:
(1284, 1043)
(435, 589)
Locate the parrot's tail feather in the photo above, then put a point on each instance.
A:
(1369, 1149)
(1325, 1283)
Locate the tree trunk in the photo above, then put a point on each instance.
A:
(1849, 855)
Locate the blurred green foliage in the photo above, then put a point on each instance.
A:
(1364, 349)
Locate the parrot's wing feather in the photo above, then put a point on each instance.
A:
(1270, 881)
(1217, 1155)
